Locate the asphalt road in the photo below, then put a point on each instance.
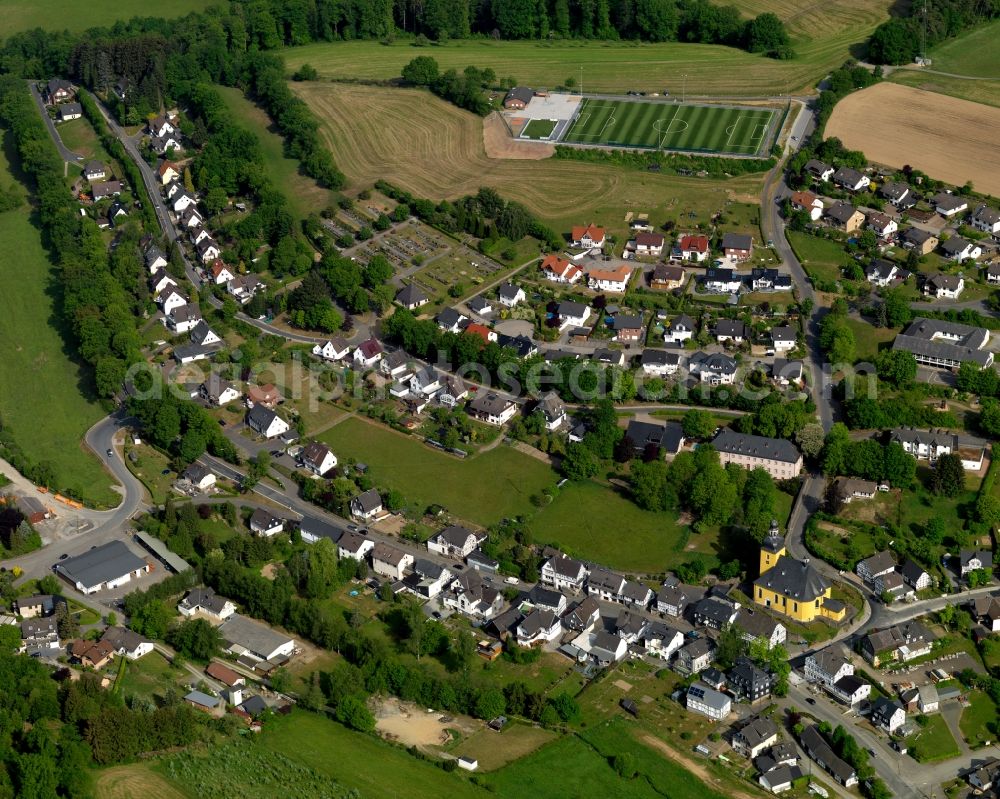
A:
(66, 154)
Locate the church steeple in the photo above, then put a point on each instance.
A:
(772, 548)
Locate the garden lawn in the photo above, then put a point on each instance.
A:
(934, 741)
(821, 258)
(594, 522)
(980, 712)
(304, 195)
(482, 488)
(869, 340)
(46, 398)
(569, 767)
(378, 770)
(79, 136)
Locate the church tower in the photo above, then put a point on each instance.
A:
(772, 548)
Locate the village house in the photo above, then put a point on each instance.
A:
(161, 126)
(368, 353)
(753, 738)
(221, 273)
(895, 193)
(190, 218)
(582, 616)
(200, 477)
(764, 279)
(167, 171)
(510, 295)
(902, 643)
(389, 561)
(563, 573)
(628, 328)
(335, 349)
(318, 458)
(673, 597)
(614, 280)
(661, 640)
(648, 244)
(92, 654)
(679, 329)
(696, 656)
(971, 560)
(845, 217)
(354, 545)
(206, 602)
(708, 702)
(986, 220)
(243, 287)
(992, 273)
(559, 270)
(667, 277)
(986, 611)
(553, 410)
(490, 407)
(721, 280)
(783, 338)
(882, 273)
(266, 422)
(851, 179)
(758, 626)
(58, 90)
(104, 189)
(714, 613)
(715, 369)
(450, 320)
(454, 542)
(958, 249)
(850, 689)
(69, 111)
(217, 391)
(659, 363)
(693, 248)
(948, 204)
(538, 627)
(266, 395)
(366, 505)
(731, 330)
(481, 306)
(263, 522)
(38, 605)
(883, 225)
(920, 241)
(808, 202)
(737, 246)
(819, 170)
(932, 444)
(915, 575)
(650, 439)
(888, 714)
(877, 565)
(589, 237)
(127, 643)
(828, 665)
(40, 637)
(95, 170)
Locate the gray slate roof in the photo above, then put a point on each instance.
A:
(756, 446)
(106, 562)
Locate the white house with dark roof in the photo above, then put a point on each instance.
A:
(454, 541)
(715, 368)
(207, 602)
(679, 329)
(538, 627)
(368, 353)
(851, 179)
(510, 295)
(217, 391)
(659, 363)
(354, 546)
(335, 349)
(266, 422)
(986, 219)
(263, 522)
(944, 344)
(366, 505)
(948, 204)
(411, 297)
(895, 193)
(318, 458)
(828, 665)
(389, 561)
(708, 702)
(563, 573)
(783, 338)
(958, 249)
(553, 409)
(818, 170)
(492, 408)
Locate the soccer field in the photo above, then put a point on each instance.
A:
(539, 128)
(670, 126)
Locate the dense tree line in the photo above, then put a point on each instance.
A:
(898, 41)
(182, 428)
(717, 495)
(465, 90)
(867, 458)
(683, 164)
(485, 215)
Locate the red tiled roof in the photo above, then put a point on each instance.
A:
(595, 233)
(695, 243)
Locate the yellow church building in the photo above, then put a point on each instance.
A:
(793, 587)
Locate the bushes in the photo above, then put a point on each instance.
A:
(679, 162)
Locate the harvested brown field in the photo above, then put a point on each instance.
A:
(435, 150)
(950, 139)
(134, 782)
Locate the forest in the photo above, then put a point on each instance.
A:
(924, 25)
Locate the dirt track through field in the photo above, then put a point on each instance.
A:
(695, 767)
(433, 149)
(950, 139)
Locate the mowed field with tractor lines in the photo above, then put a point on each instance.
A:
(433, 149)
(823, 35)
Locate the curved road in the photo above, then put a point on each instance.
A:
(65, 153)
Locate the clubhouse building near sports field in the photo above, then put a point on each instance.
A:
(104, 567)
